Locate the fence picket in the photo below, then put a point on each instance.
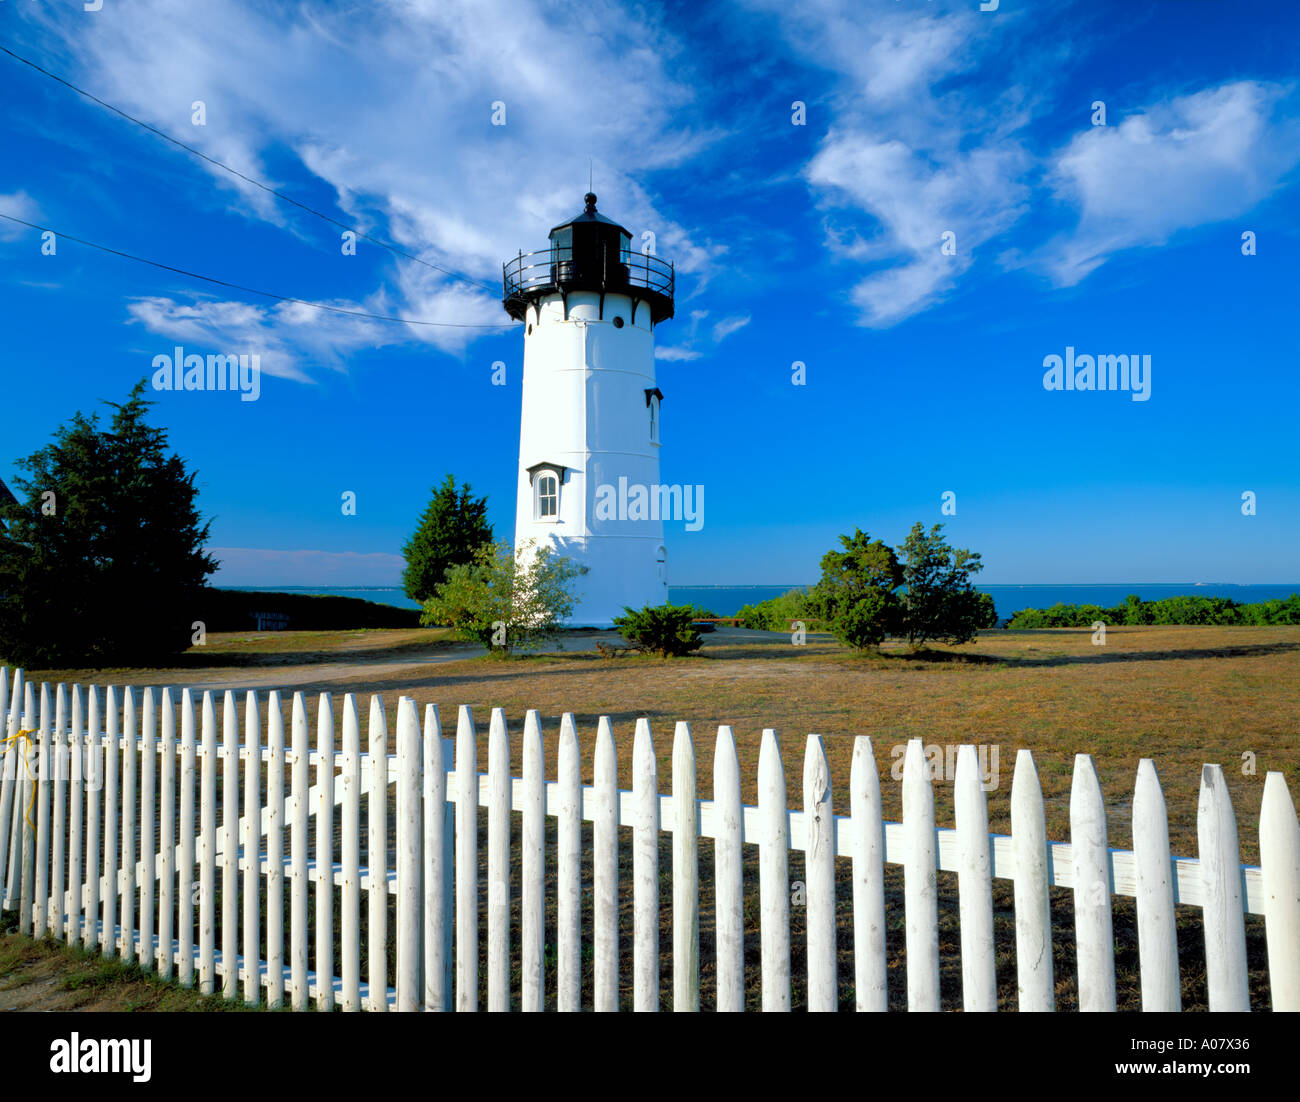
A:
(126, 872)
(819, 877)
(533, 891)
(645, 871)
(6, 723)
(229, 847)
(466, 861)
(773, 875)
(350, 903)
(59, 825)
(9, 835)
(1225, 930)
(252, 849)
(275, 852)
(108, 888)
(975, 886)
(498, 858)
(167, 838)
(1279, 856)
(568, 982)
(27, 860)
(728, 875)
(1157, 929)
(42, 888)
(185, 862)
(604, 829)
(377, 858)
(76, 812)
(868, 826)
(1094, 941)
(437, 866)
(148, 784)
(1033, 905)
(325, 853)
(408, 856)
(686, 874)
(298, 993)
(920, 890)
(208, 847)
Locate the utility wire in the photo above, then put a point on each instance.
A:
(248, 290)
(247, 179)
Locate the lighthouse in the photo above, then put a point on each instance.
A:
(589, 435)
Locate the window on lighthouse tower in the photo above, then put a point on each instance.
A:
(548, 497)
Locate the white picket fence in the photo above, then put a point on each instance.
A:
(86, 783)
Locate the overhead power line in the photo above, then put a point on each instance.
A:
(247, 179)
(242, 287)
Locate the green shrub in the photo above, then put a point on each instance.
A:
(665, 630)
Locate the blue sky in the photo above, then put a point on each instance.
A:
(819, 243)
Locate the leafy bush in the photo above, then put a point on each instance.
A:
(505, 599)
(665, 630)
(1183, 610)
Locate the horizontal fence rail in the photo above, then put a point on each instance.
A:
(130, 824)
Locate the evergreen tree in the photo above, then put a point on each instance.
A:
(451, 529)
(101, 562)
(856, 591)
(940, 602)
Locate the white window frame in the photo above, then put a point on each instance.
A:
(538, 483)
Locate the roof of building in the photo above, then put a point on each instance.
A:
(589, 215)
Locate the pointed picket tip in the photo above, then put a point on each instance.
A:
(771, 771)
(464, 722)
(1279, 853)
(1087, 806)
(683, 750)
(532, 725)
(351, 718)
(1150, 817)
(1277, 806)
(914, 763)
(816, 772)
(568, 730)
(967, 768)
(644, 766)
(497, 723)
(724, 752)
(1026, 792)
(432, 722)
(408, 717)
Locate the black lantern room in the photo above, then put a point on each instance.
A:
(589, 253)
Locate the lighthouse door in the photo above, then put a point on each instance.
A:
(662, 556)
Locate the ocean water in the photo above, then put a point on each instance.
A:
(727, 600)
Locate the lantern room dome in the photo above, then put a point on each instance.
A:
(589, 253)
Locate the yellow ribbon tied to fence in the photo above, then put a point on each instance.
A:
(25, 734)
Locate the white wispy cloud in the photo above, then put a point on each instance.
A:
(17, 204)
(391, 106)
(1194, 160)
(724, 328)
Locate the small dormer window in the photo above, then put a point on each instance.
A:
(547, 478)
(652, 400)
(548, 496)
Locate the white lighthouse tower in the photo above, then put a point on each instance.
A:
(589, 434)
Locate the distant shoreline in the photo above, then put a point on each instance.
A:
(726, 600)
